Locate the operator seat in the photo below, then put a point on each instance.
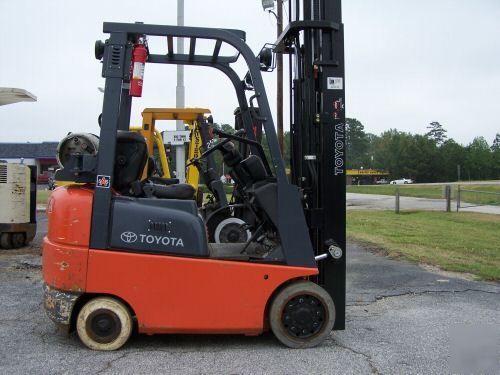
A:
(130, 160)
(251, 174)
(246, 172)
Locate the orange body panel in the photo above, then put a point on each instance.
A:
(189, 295)
(169, 294)
(65, 267)
(65, 248)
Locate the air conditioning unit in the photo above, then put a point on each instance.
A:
(17, 205)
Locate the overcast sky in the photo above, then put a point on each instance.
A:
(407, 63)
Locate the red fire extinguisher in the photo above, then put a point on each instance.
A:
(139, 56)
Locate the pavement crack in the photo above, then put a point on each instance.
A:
(367, 357)
(419, 293)
(109, 364)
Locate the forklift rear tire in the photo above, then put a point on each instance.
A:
(6, 240)
(302, 314)
(18, 240)
(104, 323)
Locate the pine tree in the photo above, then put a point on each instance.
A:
(496, 143)
(436, 132)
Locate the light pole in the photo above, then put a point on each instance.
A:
(180, 153)
(279, 79)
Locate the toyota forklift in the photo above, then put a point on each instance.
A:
(122, 254)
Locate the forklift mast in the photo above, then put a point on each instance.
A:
(314, 40)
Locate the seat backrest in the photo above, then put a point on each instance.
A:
(254, 168)
(130, 159)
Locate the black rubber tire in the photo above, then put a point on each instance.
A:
(18, 240)
(109, 305)
(6, 241)
(294, 289)
(214, 222)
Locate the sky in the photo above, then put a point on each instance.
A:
(408, 63)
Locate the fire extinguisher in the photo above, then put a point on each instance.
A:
(139, 56)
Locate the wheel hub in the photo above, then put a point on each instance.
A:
(303, 316)
(233, 233)
(103, 326)
(232, 230)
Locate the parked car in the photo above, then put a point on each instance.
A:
(382, 181)
(402, 181)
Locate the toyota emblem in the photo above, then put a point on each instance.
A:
(128, 237)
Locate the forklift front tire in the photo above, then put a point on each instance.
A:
(104, 323)
(302, 315)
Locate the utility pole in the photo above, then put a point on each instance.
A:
(180, 152)
(268, 5)
(279, 80)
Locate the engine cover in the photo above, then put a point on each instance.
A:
(169, 226)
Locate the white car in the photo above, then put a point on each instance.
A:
(402, 181)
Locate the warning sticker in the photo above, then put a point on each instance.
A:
(335, 83)
(103, 181)
(138, 71)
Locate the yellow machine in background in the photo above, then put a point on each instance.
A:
(191, 117)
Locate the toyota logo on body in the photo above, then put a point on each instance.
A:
(128, 237)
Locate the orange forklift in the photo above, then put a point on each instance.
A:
(124, 253)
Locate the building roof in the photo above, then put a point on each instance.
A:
(10, 95)
(44, 150)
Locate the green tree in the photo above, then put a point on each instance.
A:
(496, 143)
(451, 157)
(478, 160)
(226, 128)
(436, 132)
(406, 155)
(495, 148)
(357, 144)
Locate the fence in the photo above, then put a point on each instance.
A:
(447, 194)
(474, 198)
(466, 196)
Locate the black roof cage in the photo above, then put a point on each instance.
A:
(116, 54)
(181, 32)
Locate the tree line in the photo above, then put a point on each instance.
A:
(432, 157)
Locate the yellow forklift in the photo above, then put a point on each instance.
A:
(195, 119)
(227, 222)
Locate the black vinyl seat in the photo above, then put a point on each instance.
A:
(130, 160)
(175, 191)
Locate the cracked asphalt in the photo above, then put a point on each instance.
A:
(401, 318)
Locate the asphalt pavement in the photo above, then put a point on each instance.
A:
(401, 318)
